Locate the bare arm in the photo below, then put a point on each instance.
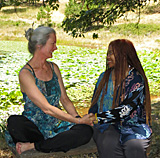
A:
(66, 102)
(28, 86)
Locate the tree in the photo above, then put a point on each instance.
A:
(91, 14)
(86, 15)
(44, 16)
(52, 3)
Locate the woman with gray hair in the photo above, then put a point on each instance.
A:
(43, 125)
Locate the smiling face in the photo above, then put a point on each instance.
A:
(110, 57)
(50, 46)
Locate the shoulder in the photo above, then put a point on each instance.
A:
(54, 66)
(56, 69)
(134, 81)
(25, 72)
(137, 77)
(101, 76)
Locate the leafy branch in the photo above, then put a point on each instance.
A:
(97, 13)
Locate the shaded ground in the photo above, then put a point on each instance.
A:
(155, 144)
(146, 42)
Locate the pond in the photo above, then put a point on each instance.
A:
(80, 68)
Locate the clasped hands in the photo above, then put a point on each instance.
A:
(89, 119)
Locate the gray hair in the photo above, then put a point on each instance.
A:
(39, 36)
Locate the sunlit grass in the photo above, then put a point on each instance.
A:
(134, 29)
(151, 9)
(27, 12)
(13, 27)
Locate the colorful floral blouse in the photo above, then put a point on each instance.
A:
(48, 125)
(129, 117)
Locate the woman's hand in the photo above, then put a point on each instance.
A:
(87, 119)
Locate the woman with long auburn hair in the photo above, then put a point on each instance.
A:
(121, 104)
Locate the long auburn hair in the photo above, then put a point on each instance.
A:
(125, 55)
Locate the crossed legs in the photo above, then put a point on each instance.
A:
(27, 136)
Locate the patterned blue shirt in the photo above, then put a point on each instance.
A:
(129, 117)
(48, 125)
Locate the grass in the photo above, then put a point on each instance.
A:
(72, 57)
(12, 10)
(154, 150)
(28, 14)
(155, 142)
(134, 29)
(10, 29)
(152, 9)
(13, 25)
(10, 23)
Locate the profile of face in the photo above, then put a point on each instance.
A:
(50, 46)
(110, 57)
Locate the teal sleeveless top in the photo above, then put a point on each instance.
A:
(48, 125)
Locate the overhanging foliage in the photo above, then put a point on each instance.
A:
(52, 3)
(82, 16)
(93, 13)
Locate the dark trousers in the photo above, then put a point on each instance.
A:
(23, 130)
(109, 146)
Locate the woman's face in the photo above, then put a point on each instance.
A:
(50, 46)
(110, 57)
